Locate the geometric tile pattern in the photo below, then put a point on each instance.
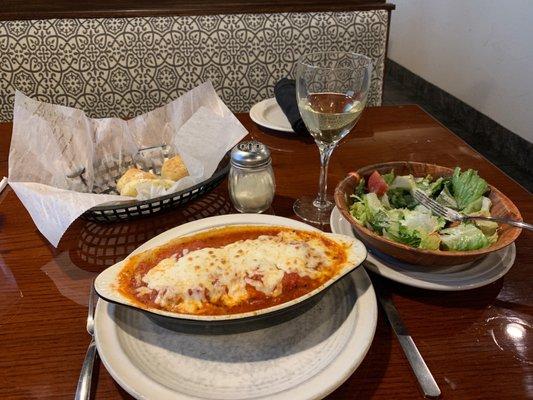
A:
(123, 67)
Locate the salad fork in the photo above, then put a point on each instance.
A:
(83, 391)
(452, 215)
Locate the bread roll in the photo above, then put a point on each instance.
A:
(157, 183)
(143, 185)
(174, 169)
(127, 182)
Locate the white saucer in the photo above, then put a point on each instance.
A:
(458, 277)
(301, 359)
(268, 113)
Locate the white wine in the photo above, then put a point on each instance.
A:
(330, 116)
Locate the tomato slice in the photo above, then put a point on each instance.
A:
(376, 184)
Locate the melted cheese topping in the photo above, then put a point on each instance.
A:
(220, 275)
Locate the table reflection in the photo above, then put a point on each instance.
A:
(102, 245)
(277, 141)
(10, 293)
(514, 335)
(99, 245)
(71, 281)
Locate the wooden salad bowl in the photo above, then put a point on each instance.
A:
(501, 207)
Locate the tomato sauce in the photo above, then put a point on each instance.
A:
(293, 285)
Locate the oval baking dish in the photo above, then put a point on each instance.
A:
(108, 283)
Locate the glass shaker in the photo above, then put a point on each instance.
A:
(251, 179)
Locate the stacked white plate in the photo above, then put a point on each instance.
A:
(303, 358)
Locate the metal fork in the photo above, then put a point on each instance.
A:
(452, 215)
(83, 391)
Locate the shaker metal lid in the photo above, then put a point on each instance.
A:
(249, 154)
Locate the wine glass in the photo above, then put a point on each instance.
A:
(331, 91)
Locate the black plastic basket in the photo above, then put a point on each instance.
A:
(100, 245)
(136, 209)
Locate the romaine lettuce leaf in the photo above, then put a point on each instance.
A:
(395, 215)
(360, 189)
(365, 208)
(427, 185)
(379, 221)
(467, 187)
(422, 209)
(484, 207)
(406, 182)
(372, 202)
(369, 211)
(385, 201)
(446, 199)
(489, 228)
(463, 237)
(388, 178)
(401, 198)
(430, 241)
(479, 207)
(378, 217)
(358, 211)
(402, 234)
(492, 238)
(422, 221)
(436, 186)
(474, 206)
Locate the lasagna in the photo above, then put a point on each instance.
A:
(231, 270)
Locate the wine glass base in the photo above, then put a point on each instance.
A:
(306, 210)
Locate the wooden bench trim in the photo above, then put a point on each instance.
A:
(45, 9)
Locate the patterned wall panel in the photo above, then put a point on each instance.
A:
(127, 66)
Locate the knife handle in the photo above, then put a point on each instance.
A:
(423, 375)
(418, 365)
(83, 391)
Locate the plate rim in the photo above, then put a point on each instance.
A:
(256, 116)
(405, 279)
(339, 369)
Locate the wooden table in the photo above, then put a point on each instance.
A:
(463, 336)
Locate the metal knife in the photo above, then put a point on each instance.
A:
(420, 369)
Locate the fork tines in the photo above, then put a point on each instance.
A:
(428, 202)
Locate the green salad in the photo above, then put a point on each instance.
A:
(385, 204)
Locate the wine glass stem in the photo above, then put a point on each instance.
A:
(321, 201)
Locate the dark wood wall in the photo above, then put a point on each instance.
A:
(43, 9)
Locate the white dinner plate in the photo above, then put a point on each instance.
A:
(268, 113)
(457, 277)
(304, 358)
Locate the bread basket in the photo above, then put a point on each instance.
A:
(150, 160)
